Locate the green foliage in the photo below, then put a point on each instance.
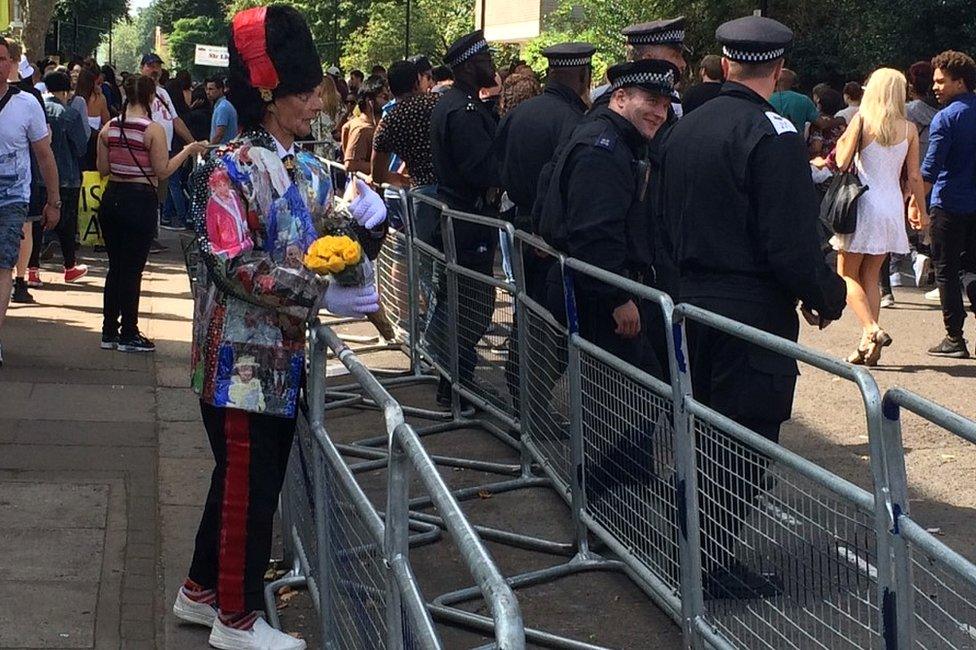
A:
(127, 45)
(132, 36)
(836, 40)
(187, 34)
(434, 24)
(168, 12)
(94, 17)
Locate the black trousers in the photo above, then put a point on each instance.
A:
(752, 386)
(954, 259)
(476, 308)
(66, 230)
(233, 543)
(127, 216)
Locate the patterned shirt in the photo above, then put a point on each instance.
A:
(406, 132)
(256, 210)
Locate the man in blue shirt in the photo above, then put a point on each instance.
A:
(223, 124)
(949, 171)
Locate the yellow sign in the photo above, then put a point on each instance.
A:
(92, 187)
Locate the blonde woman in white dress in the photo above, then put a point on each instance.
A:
(884, 147)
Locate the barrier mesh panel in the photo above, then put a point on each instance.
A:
(486, 337)
(392, 280)
(356, 573)
(628, 465)
(298, 499)
(433, 327)
(786, 563)
(545, 418)
(945, 606)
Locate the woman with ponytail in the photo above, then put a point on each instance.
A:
(133, 153)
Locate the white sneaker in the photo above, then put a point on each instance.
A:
(191, 611)
(260, 637)
(933, 295)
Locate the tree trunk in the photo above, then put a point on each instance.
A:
(36, 24)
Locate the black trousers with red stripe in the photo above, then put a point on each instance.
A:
(233, 543)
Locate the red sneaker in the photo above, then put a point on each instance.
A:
(75, 272)
(34, 278)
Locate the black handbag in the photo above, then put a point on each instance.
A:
(839, 206)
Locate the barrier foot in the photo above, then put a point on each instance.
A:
(270, 606)
(377, 459)
(443, 607)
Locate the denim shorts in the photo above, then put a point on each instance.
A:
(12, 218)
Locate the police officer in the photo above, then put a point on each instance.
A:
(663, 40)
(594, 208)
(742, 217)
(526, 141)
(529, 135)
(594, 205)
(462, 149)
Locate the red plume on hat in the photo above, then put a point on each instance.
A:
(250, 39)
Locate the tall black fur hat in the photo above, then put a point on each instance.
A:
(272, 54)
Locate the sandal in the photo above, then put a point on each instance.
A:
(879, 339)
(857, 357)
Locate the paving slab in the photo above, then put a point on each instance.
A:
(38, 614)
(53, 505)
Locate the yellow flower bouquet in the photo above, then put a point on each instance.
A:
(339, 256)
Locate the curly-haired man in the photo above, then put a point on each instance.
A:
(949, 170)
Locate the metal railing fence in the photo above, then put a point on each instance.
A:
(365, 562)
(936, 607)
(745, 543)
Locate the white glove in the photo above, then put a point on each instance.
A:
(367, 208)
(351, 301)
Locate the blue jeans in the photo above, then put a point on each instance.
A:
(425, 216)
(176, 206)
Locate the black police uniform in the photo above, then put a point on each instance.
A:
(668, 31)
(594, 209)
(526, 141)
(462, 150)
(742, 217)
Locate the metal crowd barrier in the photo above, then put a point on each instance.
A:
(936, 607)
(754, 502)
(355, 562)
(674, 491)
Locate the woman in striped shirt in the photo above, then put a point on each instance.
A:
(133, 153)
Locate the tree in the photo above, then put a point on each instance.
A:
(37, 19)
(94, 18)
(132, 36)
(127, 45)
(168, 12)
(836, 40)
(187, 33)
(434, 24)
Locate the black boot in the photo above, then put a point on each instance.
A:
(21, 294)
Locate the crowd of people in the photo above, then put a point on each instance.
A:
(710, 191)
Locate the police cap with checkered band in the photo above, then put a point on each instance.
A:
(569, 55)
(465, 47)
(653, 75)
(754, 39)
(670, 31)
